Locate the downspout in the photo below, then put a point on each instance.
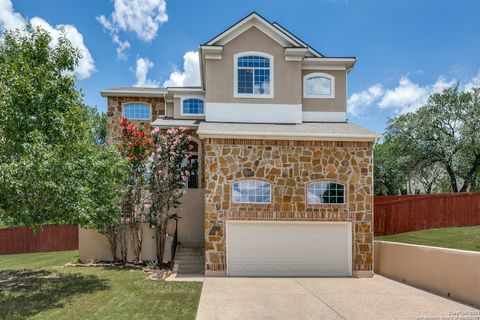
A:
(373, 206)
(164, 105)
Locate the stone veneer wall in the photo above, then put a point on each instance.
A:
(289, 166)
(115, 112)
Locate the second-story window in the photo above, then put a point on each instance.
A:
(253, 75)
(137, 111)
(193, 106)
(319, 85)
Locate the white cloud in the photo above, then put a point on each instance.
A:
(10, 19)
(408, 96)
(358, 101)
(190, 75)
(142, 17)
(473, 83)
(141, 73)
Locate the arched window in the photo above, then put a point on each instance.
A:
(319, 85)
(193, 106)
(325, 193)
(251, 191)
(137, 111)
(253, 75)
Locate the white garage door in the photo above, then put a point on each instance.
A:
(288, 248)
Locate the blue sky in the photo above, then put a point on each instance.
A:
(406, 49)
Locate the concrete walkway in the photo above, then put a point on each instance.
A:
(322, 298)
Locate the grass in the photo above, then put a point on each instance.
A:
(37, 286)
(464, 238)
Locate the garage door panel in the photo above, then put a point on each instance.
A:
(288, 249)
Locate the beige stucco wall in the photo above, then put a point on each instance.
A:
(192, 218)
(337, 104)
(219, 73)
(441, 270)
(94, 246)
(169, 112)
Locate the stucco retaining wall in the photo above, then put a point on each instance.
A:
(94, 246)
(448, 272)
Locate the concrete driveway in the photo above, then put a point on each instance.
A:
(322, 298)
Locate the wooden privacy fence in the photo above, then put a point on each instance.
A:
(397, 214)
(51, 238)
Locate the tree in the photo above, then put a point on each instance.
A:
(107, 177)
(169, 166)
(443, 132)
(392, 168)
(135, 146)
(51, 169)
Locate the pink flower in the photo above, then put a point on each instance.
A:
(156, 130)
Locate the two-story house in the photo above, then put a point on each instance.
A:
(284, 181)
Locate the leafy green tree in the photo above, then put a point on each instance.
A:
(51, 168)
(169, 166)
(443, 132)
(391, 168)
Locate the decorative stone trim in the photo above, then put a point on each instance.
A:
(215, 267)
(290, 216)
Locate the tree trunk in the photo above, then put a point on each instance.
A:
(453, 179)
(112, 240)
(471, 174)
(124, 242)
(136, 237)
(160, 241)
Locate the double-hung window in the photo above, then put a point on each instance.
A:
(253, 75)
(325, 193)
(137, 111)
(251, 191)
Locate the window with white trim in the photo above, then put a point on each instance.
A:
(137, 111)
(193, 106)
(251, 191)
(319, 85)
(253, 75)
(325, 193)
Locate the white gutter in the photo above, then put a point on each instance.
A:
(133, 93)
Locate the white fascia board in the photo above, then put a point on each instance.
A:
(329, 63)
(289, 136)
(185, 89)
(312, 116)
(124, 93)
(253, 113)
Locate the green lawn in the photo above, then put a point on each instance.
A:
(464, 238)
(37, 286)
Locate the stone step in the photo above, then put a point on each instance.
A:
(189, 260)
(188, 255)
(190, 264)
(189, 271)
